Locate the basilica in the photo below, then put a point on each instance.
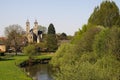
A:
(34, 34)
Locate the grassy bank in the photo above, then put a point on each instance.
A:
(9, 70)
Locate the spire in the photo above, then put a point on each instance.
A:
(35, 22)
(27, 22)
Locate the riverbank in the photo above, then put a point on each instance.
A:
(10, 70)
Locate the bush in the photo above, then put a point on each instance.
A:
(108, 41)
(30, 50)
(62, 55)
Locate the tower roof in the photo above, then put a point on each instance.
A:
(27, 21)
(35, 22)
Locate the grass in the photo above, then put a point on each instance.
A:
(45, 56)
(9, 70)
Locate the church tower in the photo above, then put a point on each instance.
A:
(27, 27)
(35, 29)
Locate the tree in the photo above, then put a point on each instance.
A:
(106, 14)
(94, 51)
(108, 41)
(63, 36)
(118, 21)
(51, 38)
(14, 35)
(42, 28)
(87, 65)
(30, 50)
(51, 29)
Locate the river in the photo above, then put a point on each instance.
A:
(39, 72)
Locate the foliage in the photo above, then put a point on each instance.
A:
(94, 52)
(42, 28)
(14, 35)
(40, 46)
(79, 34)
(51, 40)
(118, 21)
(30, 50)
(81, 62)
(108, 41)
(64, 49)
(85, 39)
(106, 14)
(87, 67)
(62, 36)
(51, 29)
(100, 43)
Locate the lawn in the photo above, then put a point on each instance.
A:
(9, 70)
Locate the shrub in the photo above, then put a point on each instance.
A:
(30, 50)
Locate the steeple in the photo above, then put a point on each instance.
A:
(35, 30)
(27, 26)
(35, 22)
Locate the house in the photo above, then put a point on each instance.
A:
(2, 45)
(2, 49)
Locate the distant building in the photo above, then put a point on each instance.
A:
(34, 34)
(2, 47)
(2, 44)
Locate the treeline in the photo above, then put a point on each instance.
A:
(16, 39)
(94, 52)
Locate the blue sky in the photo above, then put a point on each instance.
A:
(66, 15)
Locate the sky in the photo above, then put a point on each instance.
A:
(67, 16)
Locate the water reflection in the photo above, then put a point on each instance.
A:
(40, 72)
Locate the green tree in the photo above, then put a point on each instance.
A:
(79, 34)
(51, 29)
(62, 36)
(30, 50)
(118, 21)
(94, 52)
(100, 43)
(51, 40)
(14, 35)
(108, 41)
(105, 15)
(85, 39)
(87, 65)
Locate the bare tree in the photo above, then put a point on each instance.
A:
(14, 34)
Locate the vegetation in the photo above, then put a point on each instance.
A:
(62, 36)
(107, 14)
(30, 50)
(42, 28)
(14, 34)
(8, 69)
(51, 29)
(93, 54)
(108, 41)
(51, 38)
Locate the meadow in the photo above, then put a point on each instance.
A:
(9, 69)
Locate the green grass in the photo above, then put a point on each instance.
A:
(44, 56)
(9, 70)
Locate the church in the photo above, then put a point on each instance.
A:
(34, 34)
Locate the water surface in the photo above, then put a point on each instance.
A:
(40, 72)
